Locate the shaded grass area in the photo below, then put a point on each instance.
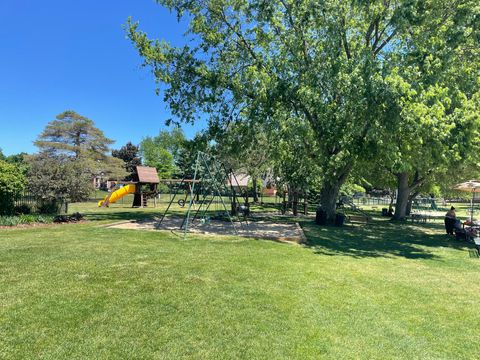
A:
(383, 238)
(385, 290)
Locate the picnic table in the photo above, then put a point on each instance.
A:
(420, 217)
(472, 234)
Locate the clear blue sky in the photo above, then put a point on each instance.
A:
(62, 54)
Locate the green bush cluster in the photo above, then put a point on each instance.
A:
(24, 219)
(23, 209)
(12, 182)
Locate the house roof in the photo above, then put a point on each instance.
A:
(242, 180)
(147, 175)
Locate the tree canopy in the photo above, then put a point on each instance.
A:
(163, 151)
(73, 135)
(357, 73)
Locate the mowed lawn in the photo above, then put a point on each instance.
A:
(377, 292)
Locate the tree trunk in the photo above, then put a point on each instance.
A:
(406, 193)
(403, 194)
(330, 190)
(290, 196)
(233, 211)
(328, 199)
(295, 203)
(305, 204)
(284, 203)
(254, 185)
(410, 202)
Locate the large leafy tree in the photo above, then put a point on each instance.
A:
(319, 62)
(325, 63)
(434, 137)
(129, 153)
(163, 151)
(185, 164)
(435, 143)
(173, 141)
(57, 179)
(158, 157)
(245, 149)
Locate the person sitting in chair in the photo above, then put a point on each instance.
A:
(390, 211)
(450, 219)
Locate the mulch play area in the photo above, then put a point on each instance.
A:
(262, 229)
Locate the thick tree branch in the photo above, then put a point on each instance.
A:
(344, 39)
(384, 43)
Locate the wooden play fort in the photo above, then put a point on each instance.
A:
(144, 186)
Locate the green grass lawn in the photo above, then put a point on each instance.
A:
(381, 291)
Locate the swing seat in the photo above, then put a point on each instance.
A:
(244, 210)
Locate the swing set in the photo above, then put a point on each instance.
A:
(212, 194)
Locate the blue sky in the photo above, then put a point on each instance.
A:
(62, 54)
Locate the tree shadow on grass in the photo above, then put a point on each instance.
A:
(379, 239)
(139, 215)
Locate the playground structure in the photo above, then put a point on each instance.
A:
(146, 177)
(176, 186)
(211, 195)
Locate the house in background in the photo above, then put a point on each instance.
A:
(269, 191)
(100, 182)
(239, 182)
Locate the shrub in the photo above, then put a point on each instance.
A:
(7, 204)
(9, 220)
(23, 209)
(24, 219)
(12, 182)
(68, 218)
(48, 207)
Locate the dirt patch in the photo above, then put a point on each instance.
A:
(290, 232)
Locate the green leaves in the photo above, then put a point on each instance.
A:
(163, 151)
(72, 152)
(365, 77)
(12, 179)
(73, 135)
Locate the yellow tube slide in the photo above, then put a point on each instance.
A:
(118, 194)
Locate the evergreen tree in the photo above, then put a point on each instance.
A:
(72, 152)
(129, 154)
(75, 136)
